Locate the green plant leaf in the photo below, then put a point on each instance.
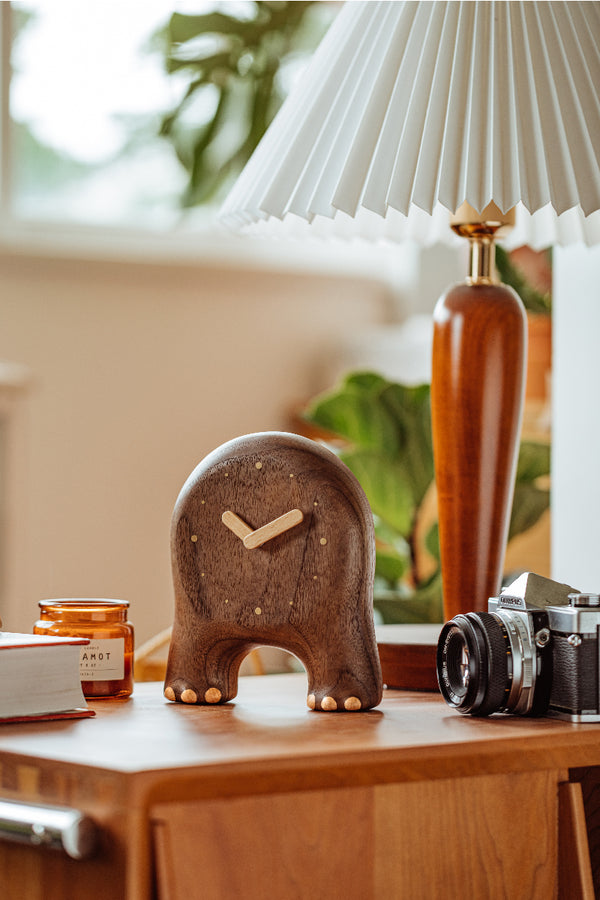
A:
(244, 54)
(371, 412)
(423, 605)
(261, 111)
(389, 566)
(534, 461)
(184, 27)
(432, 541)
(530, 501)
(430, 595)
(411, 409)
(392, 420)
(203, 66)
(390, 538)
(533, 300)
(386, 486)
(205, 137)
(365, 381)
(529, 504)
(352, 413)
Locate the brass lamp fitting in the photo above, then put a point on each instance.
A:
(481, 229)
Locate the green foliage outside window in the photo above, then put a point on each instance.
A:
(234, 67)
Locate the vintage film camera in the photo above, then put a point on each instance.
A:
(535, 652)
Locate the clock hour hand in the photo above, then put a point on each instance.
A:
(272, 529)
(235, 524)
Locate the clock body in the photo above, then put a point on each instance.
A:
(306, 588)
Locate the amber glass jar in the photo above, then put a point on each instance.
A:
(106, 663)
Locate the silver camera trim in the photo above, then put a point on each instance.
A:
(574, 620)
(584, 718)
(523, 661)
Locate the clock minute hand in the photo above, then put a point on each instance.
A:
(273, 529)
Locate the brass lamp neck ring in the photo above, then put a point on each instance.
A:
(481, 229)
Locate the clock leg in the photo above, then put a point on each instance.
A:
(344, 684)
(203, 669)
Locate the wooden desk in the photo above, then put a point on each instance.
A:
(263, 798)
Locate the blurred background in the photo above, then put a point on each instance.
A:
(137, 334)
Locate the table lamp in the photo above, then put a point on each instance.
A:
(417, 120)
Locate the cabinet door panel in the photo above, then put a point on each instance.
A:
(484, 836)
(295, 845)
(489, 836)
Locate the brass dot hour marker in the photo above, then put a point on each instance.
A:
(201, 574)
(292, 475)
(315, 577)
(226, 601)
(226, 474)
(316, 503)
(291, 602)
(194, 538)
(258, 610)
(323, 541)
(203, 502)
(258, 465)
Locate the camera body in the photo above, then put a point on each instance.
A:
(535, 652)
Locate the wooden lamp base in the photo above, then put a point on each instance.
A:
(478, 378)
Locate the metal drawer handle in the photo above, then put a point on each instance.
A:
(56, 827)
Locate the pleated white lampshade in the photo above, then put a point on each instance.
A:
(409, 109)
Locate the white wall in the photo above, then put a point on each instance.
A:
(138, 370)
(576, 418)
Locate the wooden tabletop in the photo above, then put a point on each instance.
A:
(410, 736)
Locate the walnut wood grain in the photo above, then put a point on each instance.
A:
(477, 389)
(460, 838)
(432, 797)
(589, 779)
(408, 656)
(284, 845)
(438, 839)
(575, 879)
(272, 544)
(268, 729)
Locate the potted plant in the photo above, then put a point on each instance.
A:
(383, 434)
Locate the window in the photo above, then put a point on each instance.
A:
(88, 92)
(84, 90)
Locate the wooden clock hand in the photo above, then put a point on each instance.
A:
(273, 529)
(237, 525)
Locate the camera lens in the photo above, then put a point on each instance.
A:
(472, 665)
(496, 662)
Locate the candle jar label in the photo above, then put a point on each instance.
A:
(103, 660)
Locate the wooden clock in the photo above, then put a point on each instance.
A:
(272, 543)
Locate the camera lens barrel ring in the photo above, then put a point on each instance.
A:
(522, 657)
